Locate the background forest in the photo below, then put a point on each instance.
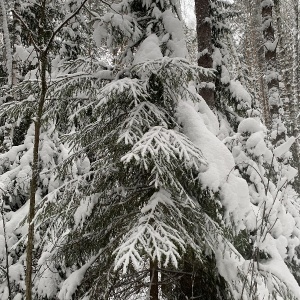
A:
(149, 149)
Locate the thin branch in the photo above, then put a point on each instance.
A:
(6, 248)
(31, 34)
(62, 25)
(109, 5)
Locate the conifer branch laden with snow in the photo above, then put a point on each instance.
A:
(143, 189)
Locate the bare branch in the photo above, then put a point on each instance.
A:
(63, 24)
(31, 34)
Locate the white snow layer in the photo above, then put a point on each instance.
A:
(27, 54)
(277, 266)
(239, 92)
(249, 125)
(70, 285)
(148, 50)
(285, 147)
(219, 175)
(209, 118)
(220, 159)
(175, 28)
(173, 25)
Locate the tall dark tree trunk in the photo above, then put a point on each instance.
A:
(35, 162)
(35, 175)
(254, 57)
(260, 58)
(205, 60)
(284, 55)
(187, 282)
(276, 126)
(42, 47)
(153, 280)
(288, 47)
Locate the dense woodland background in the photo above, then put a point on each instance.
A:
(149, 149)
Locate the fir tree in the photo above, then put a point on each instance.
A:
(145, 171)
(142, 189)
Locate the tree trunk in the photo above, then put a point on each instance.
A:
(284, 63)
(187, 281)
(35, 162)
(42, 47)
(296, 100)
(289, 68)
(153, 280)
(7, 43)
(260, 59)
(294, 105)
(35, 173)
(16, 40)
(204, 37)
(7, 275)
(272, 77)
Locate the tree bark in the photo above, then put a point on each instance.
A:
(5, 246)
(16, 40)
(284, 64)
(35, 173)
(260, 59)
(295, 101)
(276, 126)
(7, 43)
(153, 279)
(43, 49)
(289, 69)
(35, 162)
(205, 60)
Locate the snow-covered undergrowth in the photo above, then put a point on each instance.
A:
(136, 170)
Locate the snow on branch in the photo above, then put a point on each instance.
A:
(161, 145)
(132, 88)
(152, 236)
(144, 114)
(283, 148)
(177, 69)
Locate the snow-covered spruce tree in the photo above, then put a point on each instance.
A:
(252, 53)
(244, 54)
(269, 176)
(134, 190)
(254, 161)
(287, 15)
(275, 239)
(160, 189)
(232, 101)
